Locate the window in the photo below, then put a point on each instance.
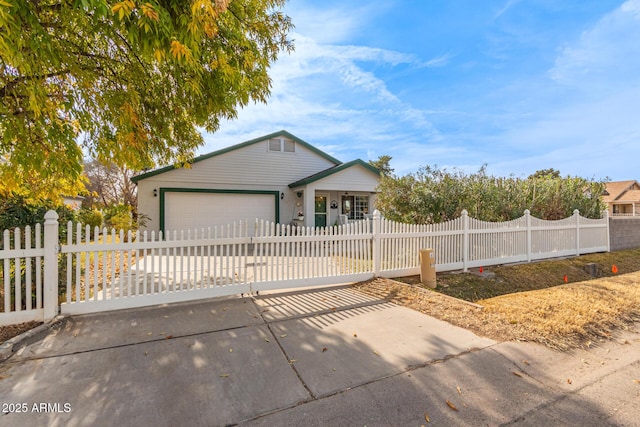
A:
(361, 206)
(355, 207)
(282, 145)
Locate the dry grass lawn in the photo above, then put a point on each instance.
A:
(561, 317)
(572, 315)
(508, 279)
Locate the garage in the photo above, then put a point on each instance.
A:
(188, 209)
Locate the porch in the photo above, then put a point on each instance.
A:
(335, 196)
(330, 207)
(625, 210)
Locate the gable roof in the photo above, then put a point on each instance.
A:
(327, 172)
(616, 189)
(629, 196)
(282, 133)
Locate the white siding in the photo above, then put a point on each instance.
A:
(248, 166)
(252, 167)
(355, 178)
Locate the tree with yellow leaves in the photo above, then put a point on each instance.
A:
(128, 82)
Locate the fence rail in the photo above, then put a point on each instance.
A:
(104, 270)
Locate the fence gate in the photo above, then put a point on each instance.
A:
(108, 270)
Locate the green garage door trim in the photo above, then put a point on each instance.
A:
(164, 191)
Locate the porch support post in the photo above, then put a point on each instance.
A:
(309, 206)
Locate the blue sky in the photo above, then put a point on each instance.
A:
(520, 85)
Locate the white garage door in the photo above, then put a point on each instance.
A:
(188, 211)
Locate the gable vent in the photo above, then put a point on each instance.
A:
(288, 146)
(274, 145)
(282, 145)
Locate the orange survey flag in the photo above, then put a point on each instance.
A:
(614, 269)
(566, 279)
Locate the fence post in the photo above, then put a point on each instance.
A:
(606, 217)
(376, 253)
(527, 215)
(50, 292)
(465, 240)
(576, 214)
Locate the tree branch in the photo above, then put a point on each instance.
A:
(6, 89)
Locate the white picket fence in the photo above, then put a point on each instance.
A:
(105, 270)
(29, 273)
(466, 242)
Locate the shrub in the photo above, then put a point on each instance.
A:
(17, 212)
(434, 195)
(118, 217)
(90, 217)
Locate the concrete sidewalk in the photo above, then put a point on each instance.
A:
(330, 356)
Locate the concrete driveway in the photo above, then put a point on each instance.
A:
(324, 357)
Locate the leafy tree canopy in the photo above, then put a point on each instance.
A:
(545, 173)
(128, 82)
(36, 186)
(383, 164)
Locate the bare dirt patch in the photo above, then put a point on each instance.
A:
(8, 332)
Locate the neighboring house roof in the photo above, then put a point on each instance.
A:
(622, 191)
(282, 133)
(331, 171)
(629, 196)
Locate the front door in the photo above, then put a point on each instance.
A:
(321, 211)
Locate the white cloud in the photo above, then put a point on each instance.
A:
(582, 118)
(328, 23)
(323, 93)
(439, 61)
(506, 7)
(312, 59)
(591, 139)
(606, 55)
(579, 117)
